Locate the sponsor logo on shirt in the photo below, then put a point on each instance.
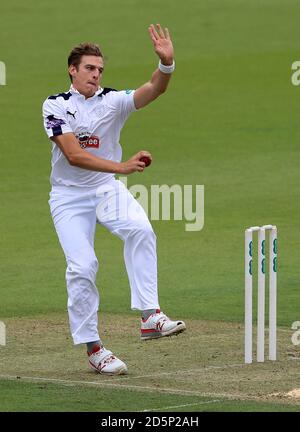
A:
(53, 122)
(86, 140)
(128, 91)
(72, 114)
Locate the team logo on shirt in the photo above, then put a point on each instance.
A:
(53, 122)
(86, 140)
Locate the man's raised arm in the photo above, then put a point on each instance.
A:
(160, 79)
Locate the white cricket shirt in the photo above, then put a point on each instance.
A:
(97, 124)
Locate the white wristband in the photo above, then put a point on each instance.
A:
(166, 69)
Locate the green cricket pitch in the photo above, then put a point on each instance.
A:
(200, 369)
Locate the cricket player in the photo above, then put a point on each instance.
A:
(84, 126)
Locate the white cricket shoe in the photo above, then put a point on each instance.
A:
(159, 325)
(104, 362)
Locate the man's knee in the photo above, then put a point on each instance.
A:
(85, 267)
(143, 229)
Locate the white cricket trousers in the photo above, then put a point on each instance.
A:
(75, 212)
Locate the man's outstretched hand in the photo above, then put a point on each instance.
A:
(159, 81)
(162, 44)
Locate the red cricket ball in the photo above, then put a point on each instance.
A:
(146, 160)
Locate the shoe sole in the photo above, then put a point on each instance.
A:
(179, 329)
(122, 371)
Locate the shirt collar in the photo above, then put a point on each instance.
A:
(74, 90)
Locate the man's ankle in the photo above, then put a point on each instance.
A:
(146, 313)
(92, 346)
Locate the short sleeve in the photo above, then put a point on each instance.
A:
(123, 101)
(55, 118)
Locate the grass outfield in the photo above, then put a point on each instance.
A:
(41, 397)
(230, 121)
